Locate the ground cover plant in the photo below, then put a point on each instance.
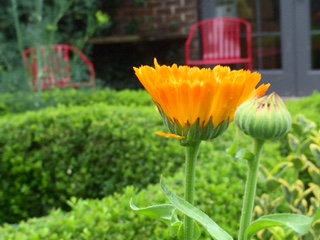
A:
(89, 152)
(107, 218)
(96, 222)
(293, 184)
(306, 106)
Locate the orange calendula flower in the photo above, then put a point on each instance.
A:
(198, 104)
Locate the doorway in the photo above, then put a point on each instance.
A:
(286, 41)
(287, 44)
(307, 47)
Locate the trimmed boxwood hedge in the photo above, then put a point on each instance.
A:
(26, 101)
(219, 189)
(88, 152)
(92, 150)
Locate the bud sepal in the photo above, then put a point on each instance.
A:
(265, 118)
(194, 132)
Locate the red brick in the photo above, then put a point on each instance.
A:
(154, 5)
(157, 16)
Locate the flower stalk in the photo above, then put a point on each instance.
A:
(265, 118)
(250, 188)
(190, 165)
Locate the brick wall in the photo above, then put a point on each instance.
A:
(155, 18)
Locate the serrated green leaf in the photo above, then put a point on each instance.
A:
(316, 217)
(244, 154)
(299, 223)
(272, 184)
(315, 190)
(279, 169)
(293, 142)
(297, 127)
(278, 233)
(175, 227)
(162, 212)
(305, 124)
(304, 145)
(196, 233)
(186, 208)
(315, 150)
(299, 162)
(315, 174)
(166, 213)
(264, 173)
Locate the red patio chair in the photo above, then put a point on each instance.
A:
(224, 41)
(54, 67)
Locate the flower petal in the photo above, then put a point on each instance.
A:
(170, 135)
(190, 95)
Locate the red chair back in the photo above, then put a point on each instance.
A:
(224, 41)
(52, 67)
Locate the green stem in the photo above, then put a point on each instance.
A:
(191, 157)
(250, 189)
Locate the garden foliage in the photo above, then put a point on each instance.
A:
(307, 106)
(111, 217)
(293, 185)
(22, 102)
(88, 152)
(26, 24)
(55, 158)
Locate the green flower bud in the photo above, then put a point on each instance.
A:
(264, 118)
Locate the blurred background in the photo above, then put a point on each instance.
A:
(119, 34)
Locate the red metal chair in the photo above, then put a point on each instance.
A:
(223, 41)
(55, 67)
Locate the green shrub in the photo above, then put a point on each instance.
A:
(25, 101)
(293, 185)
(307, 106)
(87, 152)
(219, 189)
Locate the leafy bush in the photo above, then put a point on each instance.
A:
(87, 152)
(219, 191)
(23, 101)
(293, 185)
(66, 133)
(219, 185)
(307, 106)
